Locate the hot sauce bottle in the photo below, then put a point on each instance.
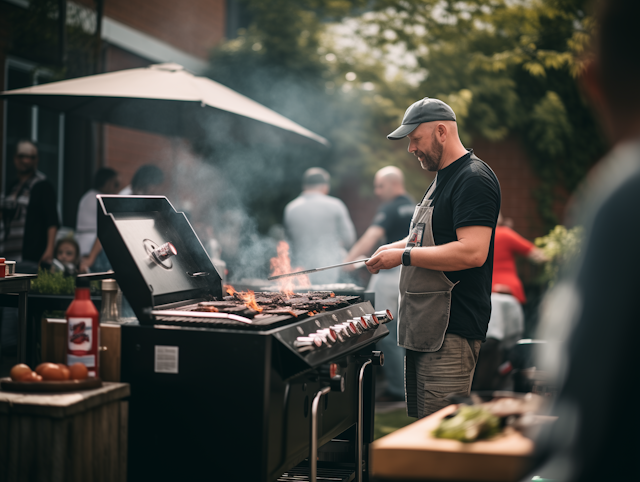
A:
(83, 329)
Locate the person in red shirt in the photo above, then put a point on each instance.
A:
(507, 245)
(506, 324)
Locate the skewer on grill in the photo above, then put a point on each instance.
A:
(314, 270)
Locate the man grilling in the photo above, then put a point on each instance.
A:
(447, 261)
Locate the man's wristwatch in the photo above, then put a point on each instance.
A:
(406, 256)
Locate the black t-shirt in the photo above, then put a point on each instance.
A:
(467, 193)
(395, 218)
(42, 213)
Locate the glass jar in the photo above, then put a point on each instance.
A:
(111, 309)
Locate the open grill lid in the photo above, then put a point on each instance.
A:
(131, 229)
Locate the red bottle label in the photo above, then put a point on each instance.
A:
(82, 343)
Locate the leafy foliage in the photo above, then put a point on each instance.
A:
(347, 70)
(57, 283)
(560, 246)
(514, 64)
(53, 283)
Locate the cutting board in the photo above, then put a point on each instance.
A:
(412, 453)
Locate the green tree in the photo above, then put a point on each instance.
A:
(508, 68)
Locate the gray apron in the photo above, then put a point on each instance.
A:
(425, 294)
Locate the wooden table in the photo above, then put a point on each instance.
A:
(67, 437)
(411, 453)
(19, 284)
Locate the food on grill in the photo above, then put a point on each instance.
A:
(468, 424)
(251, 304)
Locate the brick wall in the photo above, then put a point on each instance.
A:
(517, 182)
(193, 27)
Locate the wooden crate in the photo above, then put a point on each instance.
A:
(67, 437)
(54, 346)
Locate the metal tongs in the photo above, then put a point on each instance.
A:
(313, 270)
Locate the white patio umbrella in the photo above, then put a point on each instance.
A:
(162, 98)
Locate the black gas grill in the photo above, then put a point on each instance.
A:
(225, 392)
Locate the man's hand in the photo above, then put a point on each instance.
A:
(386, 257)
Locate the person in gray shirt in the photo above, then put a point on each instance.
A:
(318, 227)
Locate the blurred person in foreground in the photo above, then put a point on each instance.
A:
(447, 261)
(506, 325)
(29, 213)
(591, 319)
(148, 180)
(318, 226)
(105, 181)
(391, 223)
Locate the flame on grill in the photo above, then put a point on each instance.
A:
(249, 299)
(230, 290)
(281, 264)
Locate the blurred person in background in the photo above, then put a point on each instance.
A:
(391, 223)
(67, 259)
(29, 213)
(506, 325)
(29, 226)
(148, 180)
(105, 181)
(590, 319)
(318, 227)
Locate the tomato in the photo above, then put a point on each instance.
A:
(32, 377)
(20, 372)
(65, 370)
(42, 366)
(78, 371)
(53, 372)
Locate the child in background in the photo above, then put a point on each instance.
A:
(67, 256)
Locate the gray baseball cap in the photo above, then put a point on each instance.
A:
(425, 110)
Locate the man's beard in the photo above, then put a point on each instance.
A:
(431, 160)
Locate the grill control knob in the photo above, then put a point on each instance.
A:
(372, 320)
(306, 343)
(328, 337)
(384, 316)
(342, 331)
(351, 327)
(331, 334)
(362, 324)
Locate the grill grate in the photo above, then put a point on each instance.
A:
(325, 474)
(263, 321)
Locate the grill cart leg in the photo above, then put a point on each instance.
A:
(375, 358)
(336, 385)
